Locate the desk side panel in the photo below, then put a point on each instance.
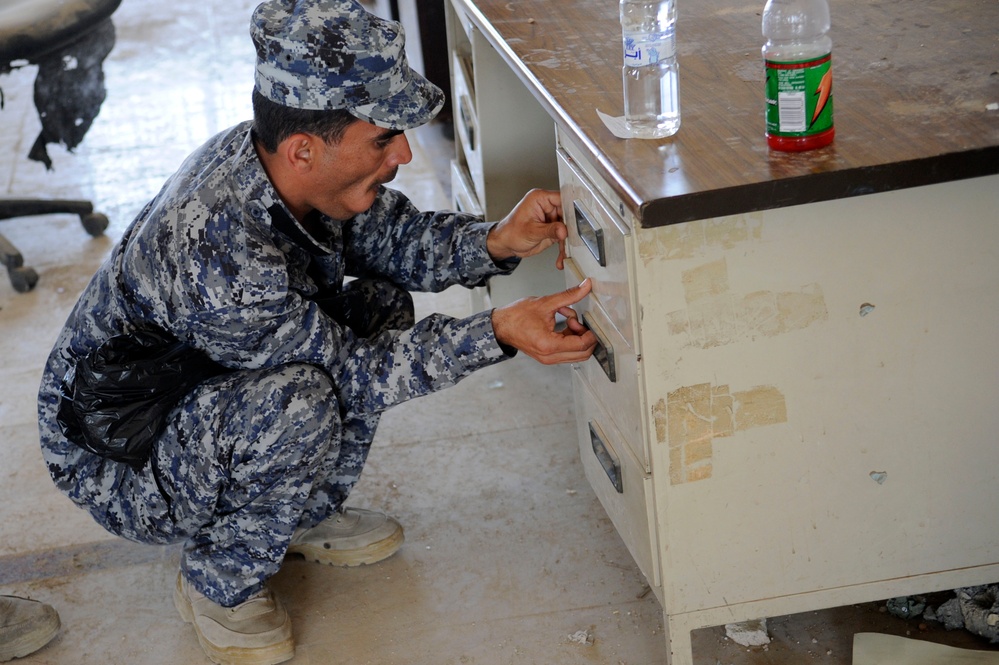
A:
(822, 384)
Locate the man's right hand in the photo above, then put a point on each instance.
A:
(529, 325)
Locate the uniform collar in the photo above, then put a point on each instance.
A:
(261, 198)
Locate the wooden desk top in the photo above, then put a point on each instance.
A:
(913, 81)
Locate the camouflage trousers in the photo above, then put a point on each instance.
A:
(248, 458)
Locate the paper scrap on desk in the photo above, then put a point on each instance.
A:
(617, 125)
(878, 649)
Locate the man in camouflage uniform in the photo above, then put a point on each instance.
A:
(243, 255)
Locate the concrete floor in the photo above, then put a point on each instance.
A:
(508, 553)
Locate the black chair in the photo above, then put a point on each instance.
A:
(68, 41)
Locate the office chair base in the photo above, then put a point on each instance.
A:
(23, 278)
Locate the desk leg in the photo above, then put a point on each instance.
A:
(679, 647)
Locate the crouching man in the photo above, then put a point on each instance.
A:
(242, 258)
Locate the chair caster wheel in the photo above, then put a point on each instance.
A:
(94, 223)
(22, 279)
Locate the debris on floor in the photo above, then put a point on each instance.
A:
(582, 637)
(949, 614)
(975, 609)
(748, 633)
(980, 609)
(906, 607)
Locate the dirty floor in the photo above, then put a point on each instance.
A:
(509, 557)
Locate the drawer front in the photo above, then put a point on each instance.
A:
(462, 192)
(612, 371)
(599, 244)
(466, 120)
(464, 21)
(623, 487)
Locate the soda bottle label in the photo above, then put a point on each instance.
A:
(648, 49)
(799, 97)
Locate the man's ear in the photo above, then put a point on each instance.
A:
(300, 151)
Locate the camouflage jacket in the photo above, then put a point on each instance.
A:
(217, 260)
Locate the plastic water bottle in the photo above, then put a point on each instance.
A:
(651, 73)
(798, 60)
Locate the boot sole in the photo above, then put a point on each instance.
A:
(373, 553)
(268, 655)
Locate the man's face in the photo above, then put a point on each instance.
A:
(350, 171)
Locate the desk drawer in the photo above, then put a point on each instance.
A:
(599, 244)
(624, 489)
(612, 372)
(463, 195)
(466, 120)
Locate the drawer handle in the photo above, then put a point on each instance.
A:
(604, 352)
(467, 120)
(607, 461)
(591, 234)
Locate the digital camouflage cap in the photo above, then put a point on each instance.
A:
(334, 54)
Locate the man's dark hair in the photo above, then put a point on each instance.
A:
(273, 123)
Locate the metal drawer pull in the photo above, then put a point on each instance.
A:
(591, 235)
(607, 461)
(604, 353)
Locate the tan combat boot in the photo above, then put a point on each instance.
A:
(350, 537)
(255, 632)
(25, 626)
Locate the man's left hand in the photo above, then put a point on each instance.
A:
(534, 225)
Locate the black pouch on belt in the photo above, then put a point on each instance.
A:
(115, 402)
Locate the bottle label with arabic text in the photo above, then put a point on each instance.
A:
(643, 49)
